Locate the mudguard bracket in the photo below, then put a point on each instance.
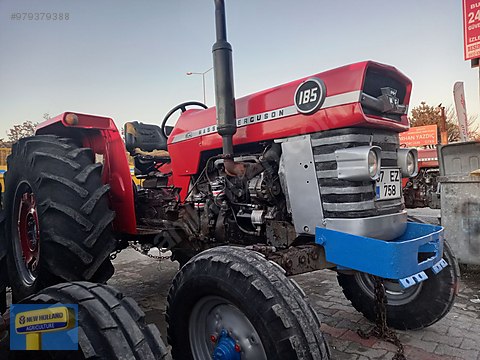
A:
(412, 280)
(442, 264)
(406, 257)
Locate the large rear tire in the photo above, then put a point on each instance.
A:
(58, 224)
(414, 308)
(232, 301)
(110, 326)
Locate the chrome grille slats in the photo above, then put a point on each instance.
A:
(352, 199)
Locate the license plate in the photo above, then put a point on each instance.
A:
(389, 184)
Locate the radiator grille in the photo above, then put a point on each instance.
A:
(352, 199)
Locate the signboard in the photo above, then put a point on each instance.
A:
(461, 107)
(471, 29)
(44, 327)
(420, 136)
(43, 320)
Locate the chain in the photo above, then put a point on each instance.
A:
(144, 251)
(381, 330)
(113, 255)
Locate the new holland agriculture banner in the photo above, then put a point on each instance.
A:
(44, 327)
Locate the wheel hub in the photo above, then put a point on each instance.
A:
(219, 330)
(28, 232)
(226, 348)
(395, 294)
(32, 232)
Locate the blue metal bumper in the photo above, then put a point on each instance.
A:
(397, 259)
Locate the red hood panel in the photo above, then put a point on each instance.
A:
(271, 114)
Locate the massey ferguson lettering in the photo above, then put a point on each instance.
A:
(261, 117)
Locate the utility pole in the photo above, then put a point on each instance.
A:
(443, 126)
(203, 82)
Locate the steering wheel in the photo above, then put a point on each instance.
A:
(183, 107)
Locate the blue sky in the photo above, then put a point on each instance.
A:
(128, 58)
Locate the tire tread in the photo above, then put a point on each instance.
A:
(109, 329)
(427, 308)
(288, 311)
(71, 199)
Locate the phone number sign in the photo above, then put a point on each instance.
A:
(471, 29)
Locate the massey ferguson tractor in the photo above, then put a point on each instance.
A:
(300, 177)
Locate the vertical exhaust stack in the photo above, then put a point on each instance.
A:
(224, 93)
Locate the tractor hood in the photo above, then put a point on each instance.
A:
(366, 94)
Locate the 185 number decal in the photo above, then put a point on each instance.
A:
(310, 96)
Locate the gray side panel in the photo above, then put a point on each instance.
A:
(300, 180)
(459, 158)
(461, 216)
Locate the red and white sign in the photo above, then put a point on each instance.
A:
(419, 136)
(471, 29)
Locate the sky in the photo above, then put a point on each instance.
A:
(128, 59)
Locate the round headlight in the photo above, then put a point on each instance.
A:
(372, 163)
(407, 162)
(411, 166)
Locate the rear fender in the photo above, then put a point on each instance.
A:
(102, 136)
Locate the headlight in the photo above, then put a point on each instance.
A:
(408, 162)
(372, 163)
(358, 163)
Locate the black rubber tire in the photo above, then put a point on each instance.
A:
(3, 263)
(4, 338)
(111, 326)
(3, 285)
(74, 219)
(431, 304)
(277, 308)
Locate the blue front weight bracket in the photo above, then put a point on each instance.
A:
(404, 259)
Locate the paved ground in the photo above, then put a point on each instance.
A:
(428, 215)
(457, 336)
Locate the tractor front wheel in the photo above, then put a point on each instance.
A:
(58, 224)
(413, 308)
(232, 303)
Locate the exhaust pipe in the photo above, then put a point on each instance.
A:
(224, 93)
(225, 97)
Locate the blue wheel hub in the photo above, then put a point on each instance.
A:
(225, 348)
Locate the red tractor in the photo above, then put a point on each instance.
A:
(422, 190)
(296, 178)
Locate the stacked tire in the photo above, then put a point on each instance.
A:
(110, 325)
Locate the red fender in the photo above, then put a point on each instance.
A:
(102, 136)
